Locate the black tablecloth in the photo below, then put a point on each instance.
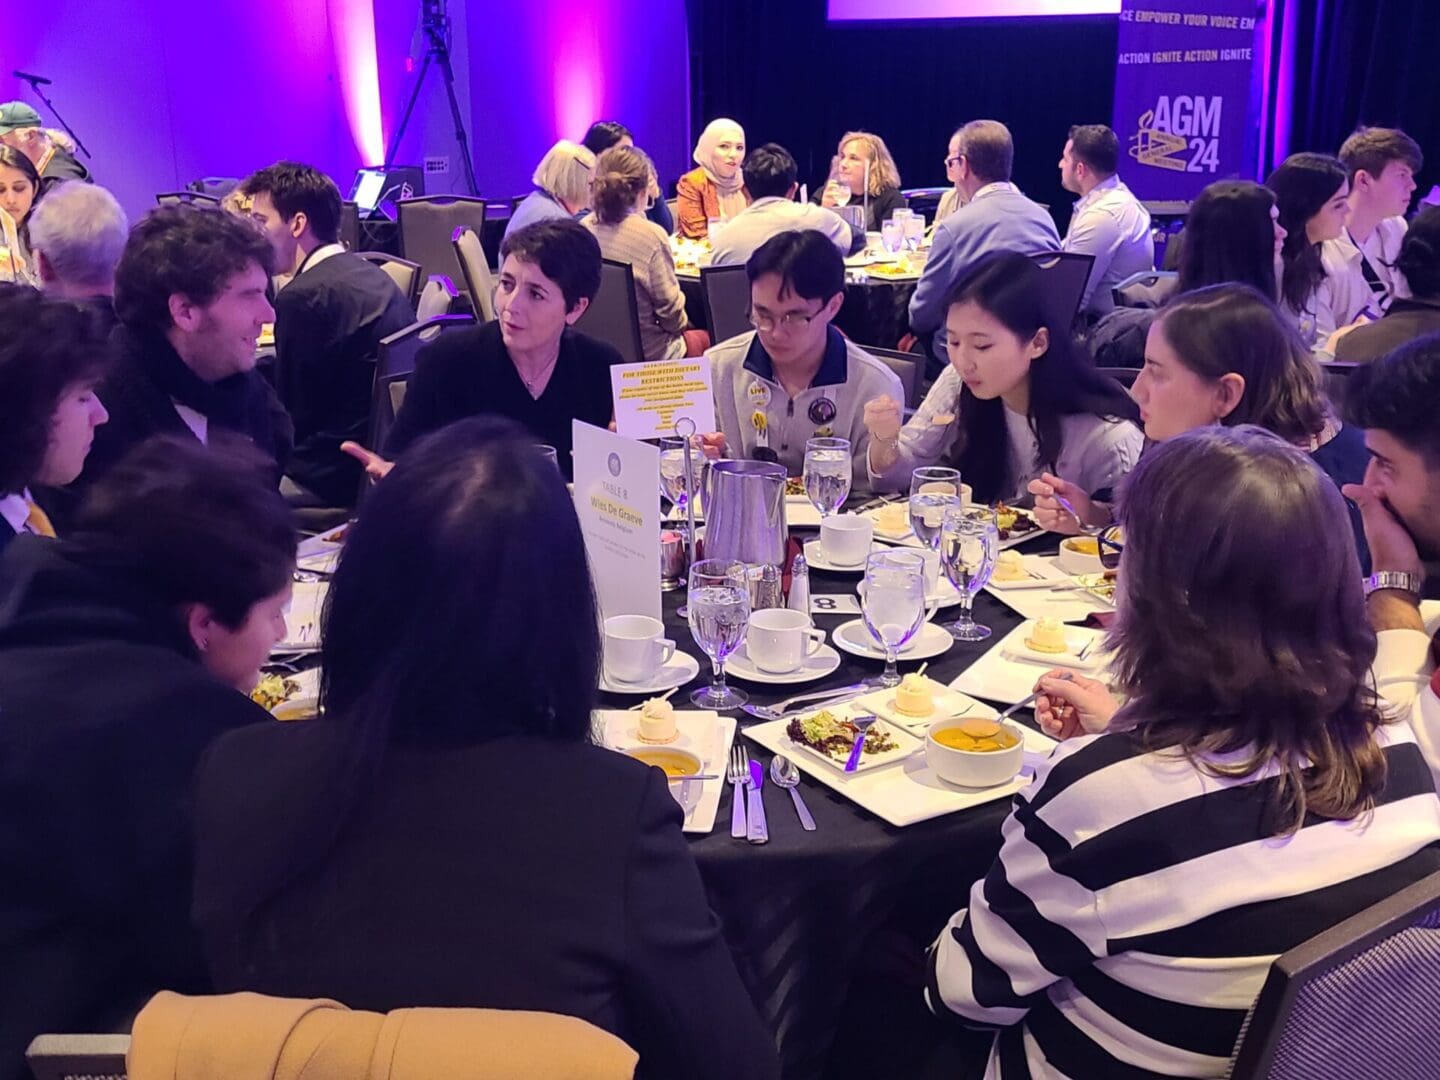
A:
(874, 313)
(800, 911)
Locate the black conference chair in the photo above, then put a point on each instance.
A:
(614, 315)
(438, 297)
(404, 273)
(1066, 273)
(1357, 1000)
(350, 225)
(909, 367)
(1147, 289)
(187, 198)
(71, 1057)
(394, 365)
(727, 300)
(427, 224)
(1125, 376)
(475, 272)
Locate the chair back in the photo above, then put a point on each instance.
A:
(475, 272)
(350, 225)
(674, 207)
(909, 366)
(1335, 376)
(187, 198)
(396, 362)
(78, 1057)
(436, 298)
(404, 273)
(1147, 289)
(727, 299)
(1357, 1000)
(614, 315)
(429, 221)
(1066, 273)
(1125, 376)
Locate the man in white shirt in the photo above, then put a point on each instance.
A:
(1396, 400)
(1109, 221)
(770, 174)
(1382, 163)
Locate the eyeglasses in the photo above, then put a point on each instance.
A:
(1111, 543)
(792, 320)
(953, 159)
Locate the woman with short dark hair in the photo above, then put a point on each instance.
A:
(52, 355)
(125, 648)
(447, 833)
(1247, 795)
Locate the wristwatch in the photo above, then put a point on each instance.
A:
(1393, 579)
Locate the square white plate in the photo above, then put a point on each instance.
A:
(1069, 605)
(908, 793)
(998, 676)
(307, 600)
(948, 703)
(707, 735)
(905, 743)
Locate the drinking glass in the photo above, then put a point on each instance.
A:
(892, 235)
(914, 232)
(969, 544)
(827, 473)
(549, 453)
(893, 604)
(934, 490)
(672, 471)
(719, 611)
(840, 192)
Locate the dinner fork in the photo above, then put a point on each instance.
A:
(738, 776)
(833, 696)
(862, 725)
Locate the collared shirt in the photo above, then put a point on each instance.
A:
(319, 255)
(1381, 248)
(1110, 224)
(15, 509)
(1343, 293)
(743, 234)
(755, 411)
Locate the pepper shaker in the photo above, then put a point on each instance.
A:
(799, 586)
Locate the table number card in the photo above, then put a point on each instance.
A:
(617, 497)
(650, 397)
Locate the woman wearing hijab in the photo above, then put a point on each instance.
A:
(716, 189)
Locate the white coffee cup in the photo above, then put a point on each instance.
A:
(845, 538)
(635, 648)
(779, 640)
(932, 570)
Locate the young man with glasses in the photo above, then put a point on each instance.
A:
(796, 377)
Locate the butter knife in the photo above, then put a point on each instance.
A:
(757, 832)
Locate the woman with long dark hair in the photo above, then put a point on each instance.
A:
(448, 834)
(1019, 397)
(19, 191)
(1247, 795)
(1311, 192)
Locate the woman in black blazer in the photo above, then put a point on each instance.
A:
(125, 648)
(52, 353)
(447, 834)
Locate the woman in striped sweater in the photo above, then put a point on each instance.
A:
(1247, 794)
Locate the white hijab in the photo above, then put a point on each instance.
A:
(732, 198)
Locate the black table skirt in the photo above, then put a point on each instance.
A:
(801, 911)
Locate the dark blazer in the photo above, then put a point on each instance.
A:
(517, 873)
(1406, 320)
(104, 712)
(328, 324)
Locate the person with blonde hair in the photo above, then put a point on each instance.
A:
(621, 196)
(717, 188)
(562, 186)
(863, 162)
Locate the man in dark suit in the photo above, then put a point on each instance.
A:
(190, 296)
(329, 320)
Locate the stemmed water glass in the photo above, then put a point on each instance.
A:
(840, 192)
(827, 473)
(718, 606)
(934, 490)
(969, 544)
(672, 472)
(893, 603)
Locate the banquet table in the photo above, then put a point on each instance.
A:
(799, 911)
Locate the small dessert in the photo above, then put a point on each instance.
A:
(1010, 566)
(1048, 636)
(893, 518)
(657, 722)
(914, 697)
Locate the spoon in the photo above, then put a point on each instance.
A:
(785, 774)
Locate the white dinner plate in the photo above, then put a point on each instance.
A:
(853, 638)
(677, 671)
(302, 618)
(703, 729)
(824, 661)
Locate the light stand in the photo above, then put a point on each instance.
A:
(435, 25)
(37, 81)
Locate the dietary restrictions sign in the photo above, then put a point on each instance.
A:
(1183, 101)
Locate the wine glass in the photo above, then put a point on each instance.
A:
(827, 473)
(934, 490)
(969, 545)
(893, 603)
(672, 472)
(719, 611)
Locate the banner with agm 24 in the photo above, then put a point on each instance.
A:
(1183, 102)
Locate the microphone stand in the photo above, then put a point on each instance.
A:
(35, 86)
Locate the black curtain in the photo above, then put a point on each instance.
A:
(1374, 62)
(790, 77)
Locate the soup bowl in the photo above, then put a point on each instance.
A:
(947, 758)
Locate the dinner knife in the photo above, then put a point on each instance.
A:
(757, 832)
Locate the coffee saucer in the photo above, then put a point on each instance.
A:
(677, 671)
(816, 559)
(816, 666)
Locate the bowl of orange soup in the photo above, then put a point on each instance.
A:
(974, 752)
(674, 763)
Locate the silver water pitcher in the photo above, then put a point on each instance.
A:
(745, 512)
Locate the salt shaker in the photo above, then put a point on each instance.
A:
(799, 586)
(769, 595)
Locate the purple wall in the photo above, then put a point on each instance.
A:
(163, 95)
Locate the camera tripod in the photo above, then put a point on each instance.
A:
(435, 25)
